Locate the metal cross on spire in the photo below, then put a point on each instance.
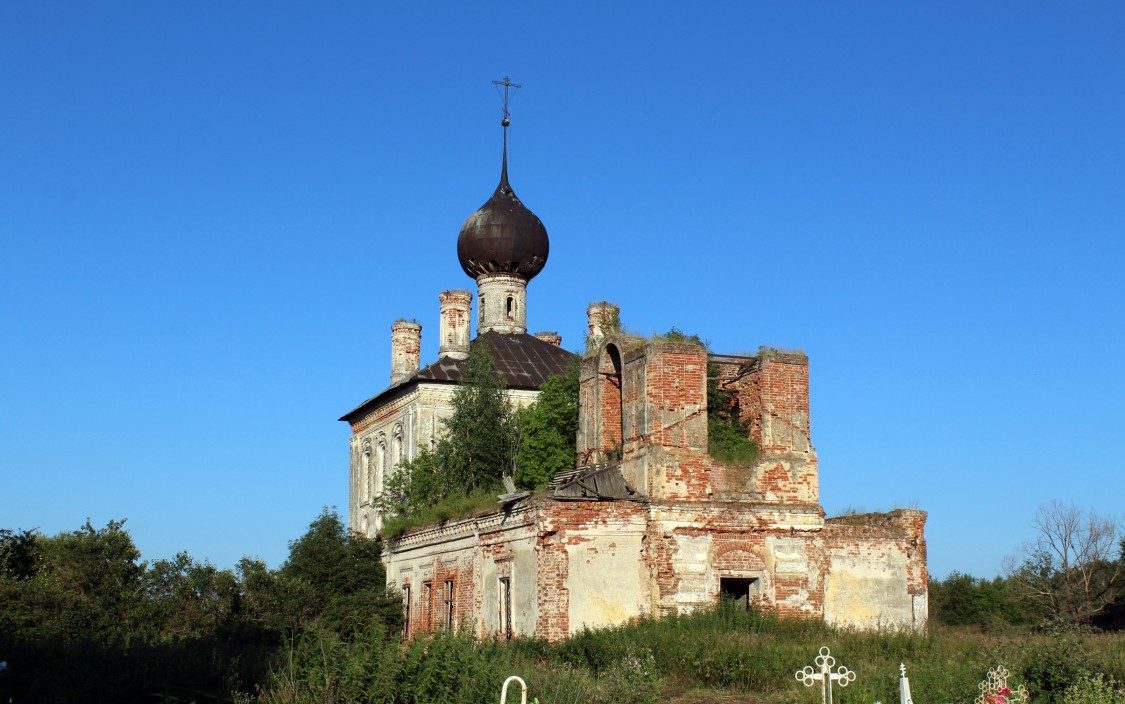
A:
(507, 83)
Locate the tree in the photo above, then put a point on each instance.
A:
(477, 446)
(474, 450)
(961, 599)
(336, 578)
(83, 585)
(548, 431)
(1071, 570)
(19, 553)
(189, 599)
(416, 485)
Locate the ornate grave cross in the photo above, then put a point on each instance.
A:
(903, 685)
(995, 690)
(824, 663)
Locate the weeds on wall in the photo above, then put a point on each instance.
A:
(728, 437)
(611, 325)
(475, 448)
(478, 503)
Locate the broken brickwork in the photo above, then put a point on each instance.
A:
(687, 529)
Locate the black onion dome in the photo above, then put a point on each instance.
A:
(503, 236)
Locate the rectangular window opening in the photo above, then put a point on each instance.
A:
(505, 629)
(741, 590)
(449, 604)
(428, 605)
(406, 613)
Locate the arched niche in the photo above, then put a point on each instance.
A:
(610, 411)
(365, 470)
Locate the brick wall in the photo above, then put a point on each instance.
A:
(877, 569)
(773, 396)
(695, 523)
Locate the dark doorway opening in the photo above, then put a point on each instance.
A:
(740, 590)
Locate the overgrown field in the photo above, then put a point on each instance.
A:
(728, 654)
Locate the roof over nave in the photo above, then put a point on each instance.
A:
(522, 361)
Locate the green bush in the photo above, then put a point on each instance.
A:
(1098, 689)
(1053, 665)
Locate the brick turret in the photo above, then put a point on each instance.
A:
(406, 349)
(456, 311)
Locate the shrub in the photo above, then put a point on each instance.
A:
(1053, 665)
(1094, 690)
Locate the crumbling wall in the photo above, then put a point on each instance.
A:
(694, 548)
(876, 570)
(697, 524)
(591, 564)
(647, 406)
(772, 392)
(473, 553)
(773, 397)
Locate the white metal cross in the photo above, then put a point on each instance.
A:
(824, 674)
(903, 685)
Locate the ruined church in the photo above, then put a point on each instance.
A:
(647, 522)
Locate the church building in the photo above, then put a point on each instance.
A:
(648, 522)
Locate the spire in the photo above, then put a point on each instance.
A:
(503, 236)
(504, 124)
(504, 187)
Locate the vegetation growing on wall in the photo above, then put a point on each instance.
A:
(728, 437)
(474, 450)
(482, 441)
(610, 325)
(548, 431)
(478, 503)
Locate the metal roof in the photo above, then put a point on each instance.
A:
(523, 362)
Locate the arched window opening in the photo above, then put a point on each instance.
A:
(511, 308)
(396, 448)
(365, 471)
(611, 412)
(380, 468)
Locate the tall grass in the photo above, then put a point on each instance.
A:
(725, 651)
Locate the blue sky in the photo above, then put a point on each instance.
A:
(210, 214)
